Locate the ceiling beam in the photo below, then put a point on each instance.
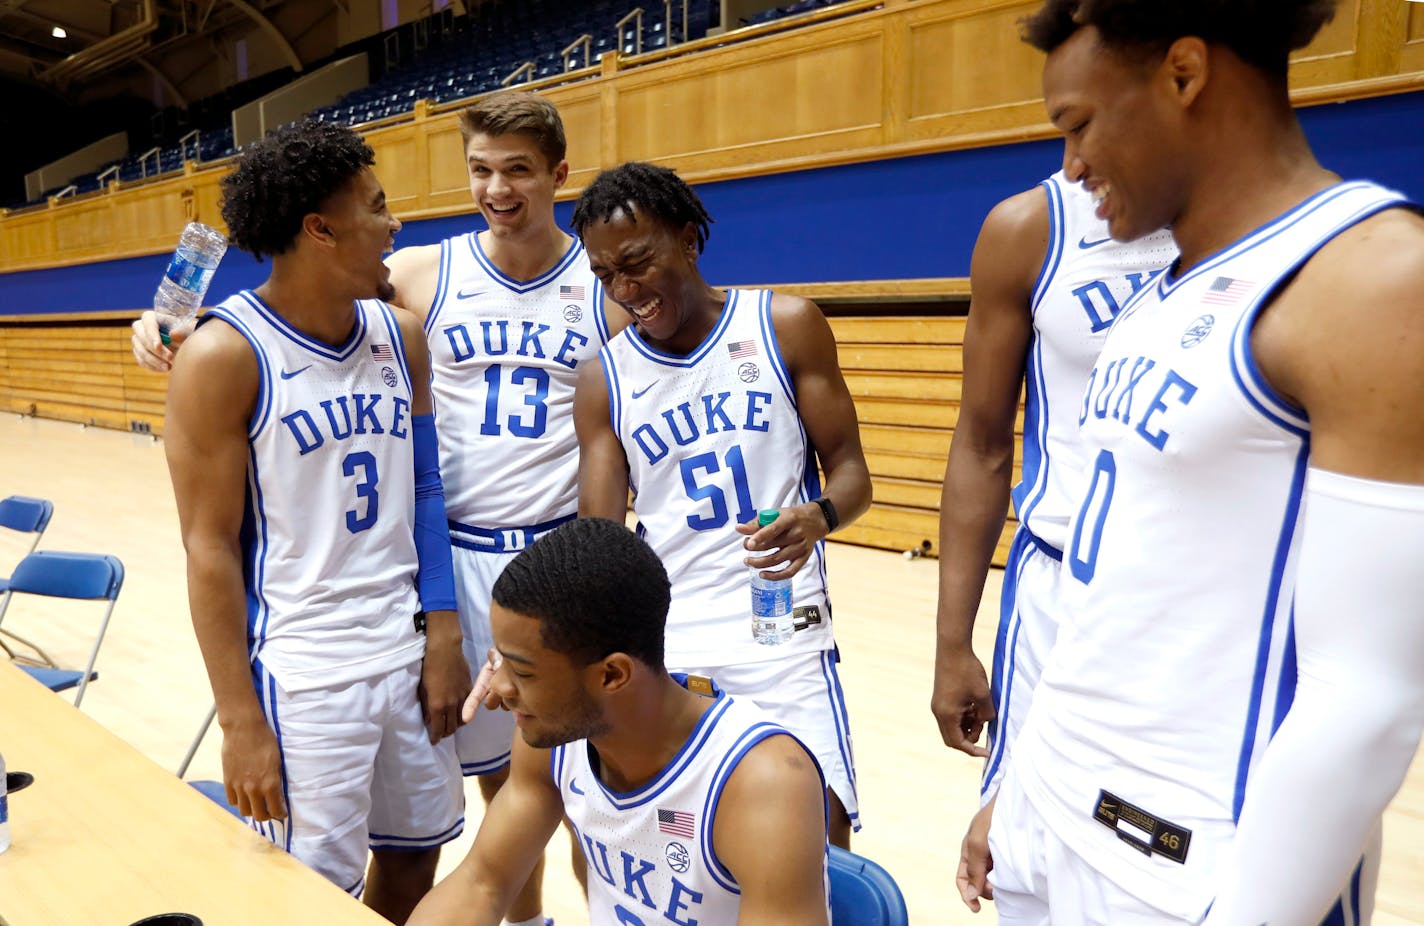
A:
(167, 84)
(272, 31)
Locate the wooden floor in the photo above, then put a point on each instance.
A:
(111, 495)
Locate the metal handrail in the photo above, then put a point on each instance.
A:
(637, 15)
(157, 162)
(111, 171)
(586, 41)
(197, 145)
(667, 8)
(526, 68)
(67, 191)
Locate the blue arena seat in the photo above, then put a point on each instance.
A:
(863, 893)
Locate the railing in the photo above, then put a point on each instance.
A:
(667, 12)
(637, 17)
(196, 138)
(526, 70)
(154, 154)
(586, 41)
(106, 173)
(67, 191)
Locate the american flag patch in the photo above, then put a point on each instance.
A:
(570, 292)
(382, 352)
(739, 349)
(1225, 291)
(675, 823)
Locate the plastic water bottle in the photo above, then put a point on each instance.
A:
(180, 292)
(4, 810)
(771, 600)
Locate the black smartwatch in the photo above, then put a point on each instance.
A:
(833, 520)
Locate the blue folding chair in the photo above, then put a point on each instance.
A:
(25, 516)
(863, 893)
(80, 576)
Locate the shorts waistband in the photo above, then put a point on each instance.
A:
(1044, 547)
(501, 539)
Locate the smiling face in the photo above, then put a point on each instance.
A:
(552, 698)
(647, 268)
(512, 183)
(362, 229)
(1123, 128)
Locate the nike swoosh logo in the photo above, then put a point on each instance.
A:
(573, 786)
(642, 392)
(1084, 243)
(470, 295)
(286, 375)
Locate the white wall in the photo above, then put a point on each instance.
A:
(90, 157)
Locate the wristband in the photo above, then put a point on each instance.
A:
(833, 520)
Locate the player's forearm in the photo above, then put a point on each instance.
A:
(459, 900)
(1358, 712)
(973, 507)
(217, 600)
(848, 487)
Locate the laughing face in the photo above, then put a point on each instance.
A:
(1123, 128)
(649, 269)
(511, 181)
(363, 230)
(549, 695)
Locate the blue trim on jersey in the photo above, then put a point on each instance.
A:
(556, 764)
(1033, 479)
(768, 334)
(600, 313)
(1244, 370)
(266, 686)
(257, 635)
(1285, 687)
(416, 843)
(357, 889)
(495, 540)
(753, 735)
(1052, 257)
(615, 394)
(442, 288)
(829, 658)
(1269, 618)
(402, 360)
(263, 407)
(1005, 646)
(676, 765)
(523, 286)
(672, 360)
(302, 339)
(488, 767)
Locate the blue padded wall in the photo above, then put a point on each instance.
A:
(892, 219)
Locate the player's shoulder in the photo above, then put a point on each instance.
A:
(1022, 217)
(1374, 265)
(415, 257)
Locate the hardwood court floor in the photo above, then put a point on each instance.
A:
(111, 495)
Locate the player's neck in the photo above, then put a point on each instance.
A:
(308, 304)
(650, 734)
(526, 254)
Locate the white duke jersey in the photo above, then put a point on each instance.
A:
(711, 438)
(505, 356)
(649, 852)
(1085, 280)
(327, 535)
(1174, 661)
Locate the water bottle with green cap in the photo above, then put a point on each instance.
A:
(771, 600)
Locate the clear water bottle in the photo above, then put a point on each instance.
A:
(180, 292)
(771, 600)
(4, 810)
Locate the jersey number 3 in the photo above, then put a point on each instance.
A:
(365, 490)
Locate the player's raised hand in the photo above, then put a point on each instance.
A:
(252, 770)
(148, 347)
(444, 675)
(961, 700)
(482, 692)
(975, 862)
(791, 538)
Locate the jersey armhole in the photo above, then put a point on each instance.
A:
(1053, 256)
(442, 287)
(263, 408)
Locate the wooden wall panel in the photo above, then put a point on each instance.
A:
(904, 78)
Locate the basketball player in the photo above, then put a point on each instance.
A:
(716, 404)
(1047, 283)
(509, 313)
(302, 449)
(1253, 519)
(690, 806)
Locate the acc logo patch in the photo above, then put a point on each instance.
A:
(748, 372)
(678, 858)
(573, 313)
(1198, 330)
(388, 376)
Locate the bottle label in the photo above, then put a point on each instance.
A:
(4, 808)
(187, 273)
(771, 602)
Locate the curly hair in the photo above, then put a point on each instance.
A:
(1261, 32)
(595, 587)
(517, 112)
(656, 191)
(284, 177)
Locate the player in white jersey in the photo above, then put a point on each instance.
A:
(690, 806)
(509, 313)
(1253, 516)
(717, 404)
(1047, 282)
(302, 448)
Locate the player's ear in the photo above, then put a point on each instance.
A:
(1187, 62)
(315, 227)
(615, 672)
